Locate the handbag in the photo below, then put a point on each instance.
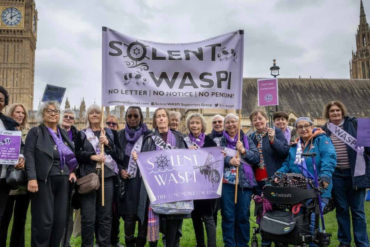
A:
(88, 183)
(181, 207)
(15, 177)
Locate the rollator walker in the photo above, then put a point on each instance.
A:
(291, 201)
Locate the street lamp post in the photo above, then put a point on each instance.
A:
(274, 70)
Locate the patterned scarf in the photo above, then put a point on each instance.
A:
(260, 172)
(153, 226)
(300, 161)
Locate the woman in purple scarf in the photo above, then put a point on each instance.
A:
(128, 202)
(50, 165)
(235, 217)
(203, 209)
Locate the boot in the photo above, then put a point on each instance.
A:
(140, 241)
(130, 241)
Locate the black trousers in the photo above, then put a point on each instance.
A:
(170, 228)
(130, 225)
(66, 239)
(17, 206)
(4, 194)
(92, 212)
(210, 226)
(49, 211)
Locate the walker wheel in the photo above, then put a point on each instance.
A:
(254, 244)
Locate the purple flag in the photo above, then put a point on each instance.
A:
(10, 145)
(182, 174)
(363, 132)
(268, 93)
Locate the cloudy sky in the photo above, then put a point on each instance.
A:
(309, 38)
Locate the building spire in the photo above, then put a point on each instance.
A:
(362, 15)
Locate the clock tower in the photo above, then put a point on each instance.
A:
(18, 35)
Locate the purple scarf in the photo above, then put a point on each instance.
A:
(66, 155)
(132, 135)
(231, 143)
(197, 140)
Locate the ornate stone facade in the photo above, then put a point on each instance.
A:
(360, 64)
(18, 28)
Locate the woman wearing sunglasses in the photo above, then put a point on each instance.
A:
(217, 129)
(112, 122)
(134, 129)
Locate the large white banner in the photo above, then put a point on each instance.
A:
(205, 74)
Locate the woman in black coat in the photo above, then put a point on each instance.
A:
(50, 164)
(134, 129)
(18, 200)
(88, 153)
(203, 209)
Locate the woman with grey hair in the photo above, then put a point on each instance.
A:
(90, 157)
(203, 209)
(175, 118)
(235, 216)
(50, 166)
(217, 128)
(68, 124)
(312, 140)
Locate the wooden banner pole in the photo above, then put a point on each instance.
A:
(237, 168)
(102, 163)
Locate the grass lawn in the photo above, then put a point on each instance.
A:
(188, 238)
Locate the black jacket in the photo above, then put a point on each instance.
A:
(84, 150)
(129, 202)
(74, 133)
(38, 152)
(8, 122)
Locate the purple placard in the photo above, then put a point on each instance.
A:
(10, 145)
(363, 132)
(268, 92)
(182, 174)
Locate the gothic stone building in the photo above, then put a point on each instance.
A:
(18, 29)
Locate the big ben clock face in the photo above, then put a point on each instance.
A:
(11, 16)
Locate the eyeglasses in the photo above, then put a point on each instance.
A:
(218, 121)
(111, 123)
(306, 126)
(68, 117)
(49, 111)
(132, 116)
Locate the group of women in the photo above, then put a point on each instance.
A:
(53, 161)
